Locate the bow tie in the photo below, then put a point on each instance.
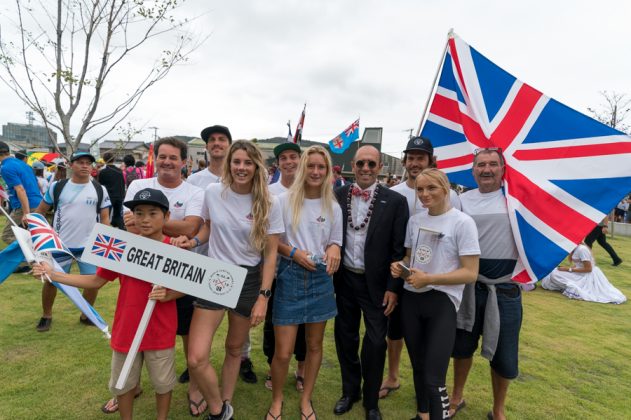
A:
(358, 192)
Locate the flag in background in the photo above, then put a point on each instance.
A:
(301, 123)
(149, 167)
(343, 141)
(564, 170)
(289, 136)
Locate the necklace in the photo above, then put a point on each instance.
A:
(371, 206)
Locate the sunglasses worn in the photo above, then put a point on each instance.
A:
(371, 163)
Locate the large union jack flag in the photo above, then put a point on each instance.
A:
(43, 236)
(564, 170)
(108, 247)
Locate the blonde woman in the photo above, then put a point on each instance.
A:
(244, 222)
(310, 251)
(442, 255)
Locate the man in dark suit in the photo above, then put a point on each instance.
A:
(375, 220)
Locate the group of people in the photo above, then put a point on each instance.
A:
(421, 265)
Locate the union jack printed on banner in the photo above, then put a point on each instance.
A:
(43, 236)
(108, 247)
(564, 170)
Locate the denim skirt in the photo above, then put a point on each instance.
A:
(302, 296)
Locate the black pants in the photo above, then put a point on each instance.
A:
(269, 343)
(117, 214)
(597, 235)
(429, 329)
(353, 300)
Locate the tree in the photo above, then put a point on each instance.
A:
(614, 112)
(65, 52)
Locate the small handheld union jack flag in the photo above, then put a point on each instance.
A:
(108, 247)
(43, 236)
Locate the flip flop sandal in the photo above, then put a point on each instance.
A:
(196, 405)
(114, 405)
(456, 407)
(300, 382)
(389, 390)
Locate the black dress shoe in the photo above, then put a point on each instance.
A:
(373, 414)
(344, 404)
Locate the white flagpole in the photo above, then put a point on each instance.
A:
(135, 344)
(434, 84)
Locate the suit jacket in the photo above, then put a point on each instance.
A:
(384, 241)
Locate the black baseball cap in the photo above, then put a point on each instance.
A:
(284, 147)
(421, 144)
(206, 132)
(78, 155)
(148, 196)
(4, 148)
(21, 154)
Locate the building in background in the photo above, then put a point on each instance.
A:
(28, 136)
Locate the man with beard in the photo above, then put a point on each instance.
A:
(417, 156)
(218, 140)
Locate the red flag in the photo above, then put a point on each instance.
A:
(301, 122)
(149, 168)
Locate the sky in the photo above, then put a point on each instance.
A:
(261, 61)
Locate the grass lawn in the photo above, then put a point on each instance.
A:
(574, 362)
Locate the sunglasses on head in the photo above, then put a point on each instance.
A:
(371, 163)
(487, 149)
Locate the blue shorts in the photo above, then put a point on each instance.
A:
(302, 296)
(506, 359)
(65, 261)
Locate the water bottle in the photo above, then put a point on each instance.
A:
(317, 259)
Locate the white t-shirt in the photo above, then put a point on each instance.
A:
(230, 216)
(76, 212)
(203, 179)
(436, 254)
(277, 188)
(184, 200)
(414, 204)
(317, 229)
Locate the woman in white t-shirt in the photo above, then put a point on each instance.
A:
(443, 255)
(244, 222)
(310, 251)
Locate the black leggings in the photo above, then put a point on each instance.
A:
(597, 235)
(429, 329)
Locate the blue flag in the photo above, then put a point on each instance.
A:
(10, 259)
(342, 142)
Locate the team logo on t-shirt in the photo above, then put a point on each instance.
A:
(250, 216)
(424, 254)
(320, 219)
(178, 204)
(220, 282)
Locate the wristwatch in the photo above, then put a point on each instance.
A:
(267, 293)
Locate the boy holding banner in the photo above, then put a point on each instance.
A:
(150, 208)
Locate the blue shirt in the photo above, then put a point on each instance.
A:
(15, 172)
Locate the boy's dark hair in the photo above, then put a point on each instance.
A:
(171, 141)
(129, 160)
(140, 164)
(108, 157)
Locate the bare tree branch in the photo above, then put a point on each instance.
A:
(62, 77)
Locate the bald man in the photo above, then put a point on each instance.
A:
(374, 233)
